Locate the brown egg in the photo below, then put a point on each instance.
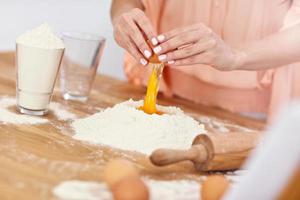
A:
(130, 188)
(118, 169)
(214, 187)
(154, 59)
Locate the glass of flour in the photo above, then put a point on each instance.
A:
(38, 56)
(80, 62)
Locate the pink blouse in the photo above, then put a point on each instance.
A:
(236, 21)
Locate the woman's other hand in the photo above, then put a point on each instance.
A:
(196, 44)
(132, 30)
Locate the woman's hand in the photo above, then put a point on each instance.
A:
(196, 44)
(131, 31)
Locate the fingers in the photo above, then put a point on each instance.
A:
(190, 50)
(132, 30)
(184, 38)
(145, 25)
(134, 52)
(203, 58)
(140, 30)
(125, 41)
(176, 42)
(138, 39)
(168, 35)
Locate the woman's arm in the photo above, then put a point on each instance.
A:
(119, 7)
(277, 49)
(197, 44)
(132, 29)
(273, 51)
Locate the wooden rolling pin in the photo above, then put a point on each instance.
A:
(212, 151)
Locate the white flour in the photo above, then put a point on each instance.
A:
(9, 117)
(79, 190)
(41, 37)
(222, 126)
(60, 112)
(125, 127)
(175, 190)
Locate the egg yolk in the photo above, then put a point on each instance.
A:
(150, 98)
(149, 106)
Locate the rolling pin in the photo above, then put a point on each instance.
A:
(212, 151)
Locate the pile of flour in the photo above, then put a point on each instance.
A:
(9, 117)
(41, 37)
(175, 190)
(125, 127)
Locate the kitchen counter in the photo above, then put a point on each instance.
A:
(35, 158)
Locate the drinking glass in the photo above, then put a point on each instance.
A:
(81, 59)
(37, 69)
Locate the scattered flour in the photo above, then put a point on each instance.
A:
(9, 117)
(125, 127)
(222, 127)
(78, 190)
(175, 190)
(60, 112)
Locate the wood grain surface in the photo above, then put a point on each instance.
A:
(34, 158)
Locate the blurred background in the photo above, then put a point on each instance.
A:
(91, 16)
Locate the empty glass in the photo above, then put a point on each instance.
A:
(79, 65)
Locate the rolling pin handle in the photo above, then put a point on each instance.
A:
(162, 157)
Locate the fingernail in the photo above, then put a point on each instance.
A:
(161, 38)
(157, 49)
(154, 41)
(143, 61)
(171, 62)
(147, 53)
(162, 57)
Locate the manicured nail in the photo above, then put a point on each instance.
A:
(161, 38)
(162, 57)
(171, 62)
(143, 61)
(154, 41)
(147, 53)
(157, 49)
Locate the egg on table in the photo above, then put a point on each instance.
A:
(130, 188)
(214, 187)
(118, 169)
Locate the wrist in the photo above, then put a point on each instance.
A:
(239, 58)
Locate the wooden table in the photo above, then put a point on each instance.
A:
(34, 158)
